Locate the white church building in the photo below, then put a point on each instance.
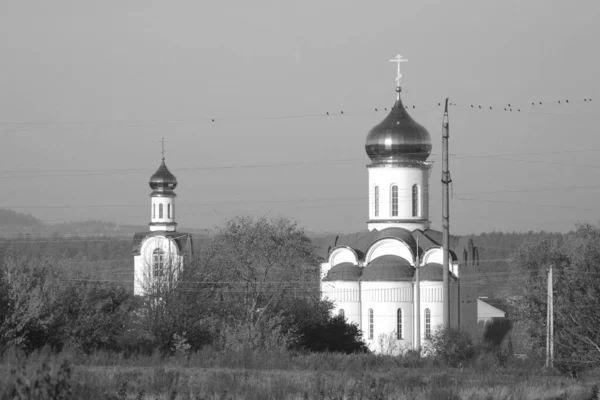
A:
(160, 252)
(370, 276)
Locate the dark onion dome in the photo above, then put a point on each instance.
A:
(163, 180)
(388, 268)
(343, 272)
(398, 138)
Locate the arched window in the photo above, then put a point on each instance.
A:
(371, 324)
(394, 201)
(341, 313)
(399, 324)
(376, 201)
(168, 211)
(160, 211)
(158, 262)
(427, 323)
(415, 200)
(153, 210)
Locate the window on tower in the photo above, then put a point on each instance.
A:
(427, 323)
(376, 201)
(153, 210)
(371, 323)
(415, 200)
(168, 211)
(394, 201)
(160, 211)
(158, 262)
(399, 324)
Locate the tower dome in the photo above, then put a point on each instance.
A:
(398, 138)
(163, 180)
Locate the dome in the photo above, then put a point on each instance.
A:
(163, 180)
(398, 138)
(343, 272)
(388, 268)
(433, 272)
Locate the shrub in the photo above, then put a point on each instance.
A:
(450, 346)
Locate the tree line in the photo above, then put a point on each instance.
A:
(253, 285)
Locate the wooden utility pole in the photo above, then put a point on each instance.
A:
(446, 217)
(550, 322)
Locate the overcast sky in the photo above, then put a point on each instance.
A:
(87, 89)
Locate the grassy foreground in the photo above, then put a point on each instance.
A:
(251, 375)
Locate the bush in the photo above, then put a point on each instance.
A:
(451, 346)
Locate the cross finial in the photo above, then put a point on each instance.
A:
(162, 143)
(398, 59)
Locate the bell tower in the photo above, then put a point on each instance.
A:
(399, 171)
(162, 207)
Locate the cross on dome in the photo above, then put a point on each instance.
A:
(162, 143)
(398, 59)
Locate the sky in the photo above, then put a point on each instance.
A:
(88, 89)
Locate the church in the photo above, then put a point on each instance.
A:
(370, 276)
(159, 253)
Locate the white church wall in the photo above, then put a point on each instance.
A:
(404, 178)
(389, 246)
(385, 298)
(344, 296)
(143, 261)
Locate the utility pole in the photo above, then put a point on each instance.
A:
(446, 216)
(550, 322)
(417, 301)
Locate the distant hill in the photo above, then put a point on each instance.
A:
(16, 224)
(12, 222)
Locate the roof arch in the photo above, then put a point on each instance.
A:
(389, 246)
(342, 254)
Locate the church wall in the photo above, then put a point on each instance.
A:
(345, 296)
(404, 177)
(385, 298)
(143, 261)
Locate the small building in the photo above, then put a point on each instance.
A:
(159, 254)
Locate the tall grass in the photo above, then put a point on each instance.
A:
(211, 374)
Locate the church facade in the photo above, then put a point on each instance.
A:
(371, 276)
(159, 254)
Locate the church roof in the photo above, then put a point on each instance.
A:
(343, 272)
(433, 272)
(388, 268)
(361, 241)
(183, 240)
(163, 179)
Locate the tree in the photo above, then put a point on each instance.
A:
(576, 268)
(264, 260)
(181, 302)
(316, 330)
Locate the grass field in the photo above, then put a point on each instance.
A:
(217, 375)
